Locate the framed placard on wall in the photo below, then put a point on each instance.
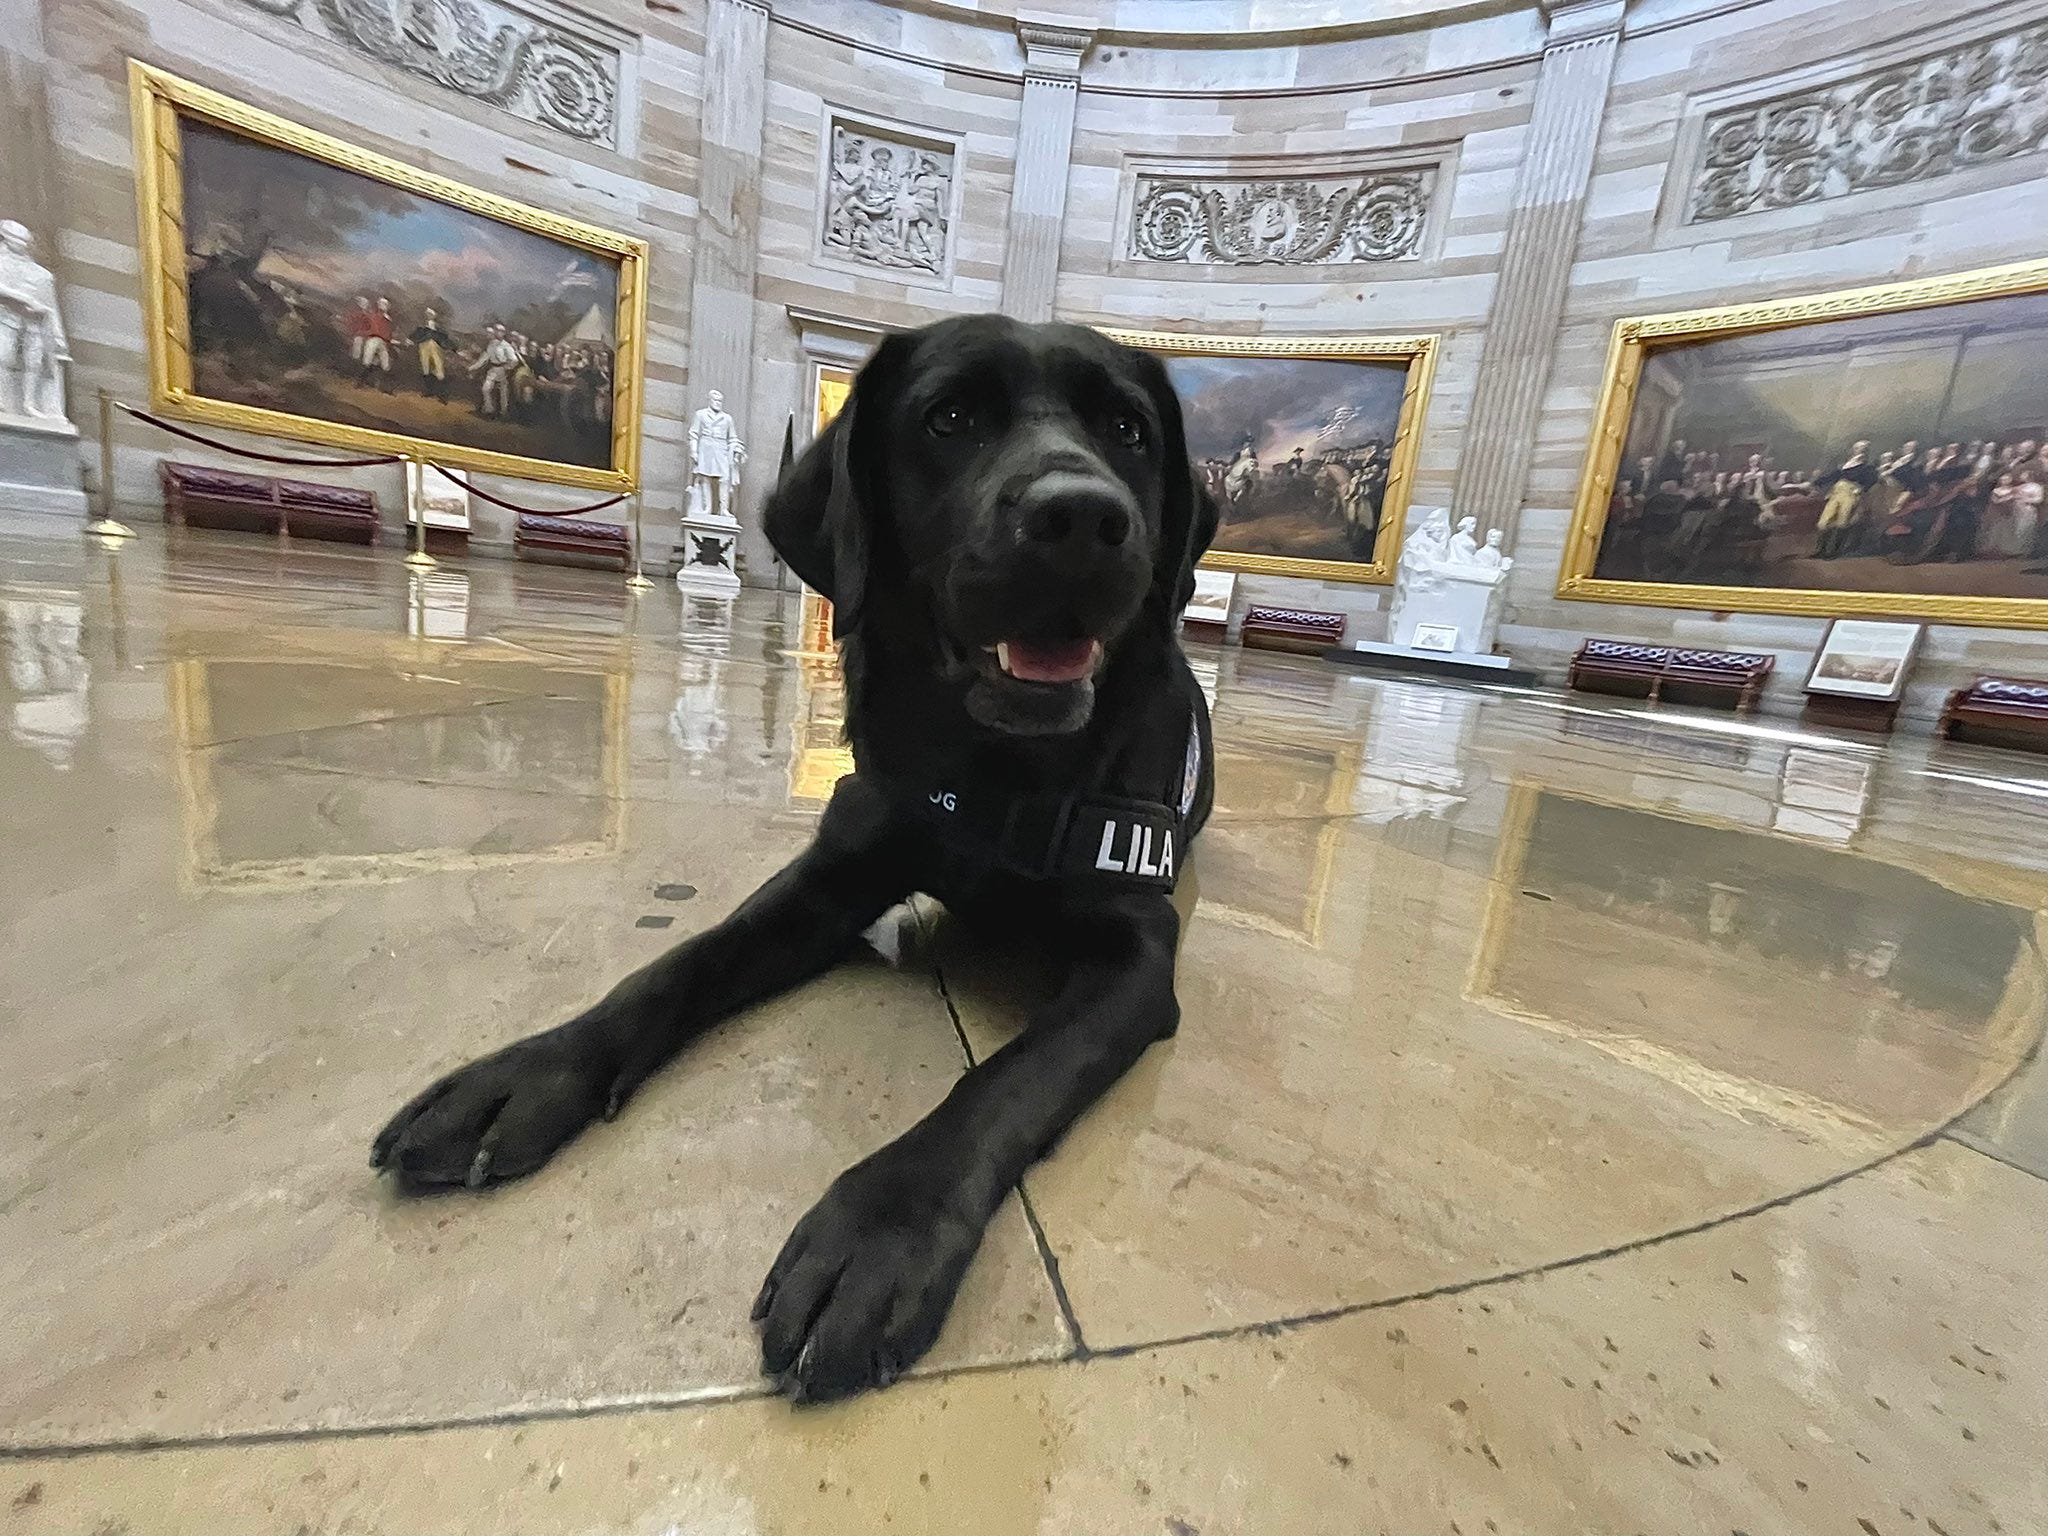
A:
(1865, 659)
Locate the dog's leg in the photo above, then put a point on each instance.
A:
(504, 1115)
(867, 1277)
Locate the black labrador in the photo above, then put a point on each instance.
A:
(1005, 521)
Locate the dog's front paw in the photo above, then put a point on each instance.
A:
(500, 1117)
(863, 1284)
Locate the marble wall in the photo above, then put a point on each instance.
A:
(1544, 167)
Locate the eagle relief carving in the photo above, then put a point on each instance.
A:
(1299, 221)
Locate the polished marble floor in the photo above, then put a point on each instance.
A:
(1584, 1118)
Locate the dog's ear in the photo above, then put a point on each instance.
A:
(819, 516)
(1189, 515)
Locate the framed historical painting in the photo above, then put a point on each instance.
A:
(1878, 451)
(298, 286)
(1307, 444)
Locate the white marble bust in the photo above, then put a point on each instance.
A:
(33, 347)
(1463, 548)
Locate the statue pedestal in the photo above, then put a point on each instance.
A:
(1448, 609)
(707, 559)
(39, 470)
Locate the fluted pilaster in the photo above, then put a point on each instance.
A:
(1045, 141)
(1543, 234)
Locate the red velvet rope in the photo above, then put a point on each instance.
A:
(513, 506)
(249, 453)
(390, 458)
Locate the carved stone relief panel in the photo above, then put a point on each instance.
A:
(511, 56)
(1304, 220)
(1967, 105)
(888, 198)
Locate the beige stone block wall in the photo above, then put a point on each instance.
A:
(278, 66)
(874, 73)
(1636, 257)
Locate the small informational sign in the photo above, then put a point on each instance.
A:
(1436, 637)
(434, 497)
(1211, 602)
(1865, 659)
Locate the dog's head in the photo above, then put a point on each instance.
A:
(1016, 497)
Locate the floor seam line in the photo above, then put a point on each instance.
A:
(1047, 1259)
(1997, 1157)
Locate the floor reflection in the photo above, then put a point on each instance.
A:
(333, 764)
(1476, 984)
(818, 754)
(48, 672)
(1848, 983)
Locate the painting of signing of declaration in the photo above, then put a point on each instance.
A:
(313, 290)
(1307, 447)
(1892, 460)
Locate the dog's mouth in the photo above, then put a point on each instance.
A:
(1034, 687)
(1047, 662)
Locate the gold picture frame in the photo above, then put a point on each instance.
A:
(831, 383)
(160, 101)
(1417, 352)
(1635, 337)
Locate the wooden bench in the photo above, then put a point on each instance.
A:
(1621, 666)
(1999, 711)
(198, 496)
(572, 536)
(1291, 629)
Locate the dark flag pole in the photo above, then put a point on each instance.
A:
(782, 469)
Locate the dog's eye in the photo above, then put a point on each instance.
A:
(948, 418)
(1128, 430)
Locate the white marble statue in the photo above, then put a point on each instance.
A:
(1448, 580)
(716, 454)
(33, 349)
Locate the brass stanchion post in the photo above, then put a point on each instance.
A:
(106, 526)
(638, 580)
(416, 509)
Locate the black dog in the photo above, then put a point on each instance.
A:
(1004, 518)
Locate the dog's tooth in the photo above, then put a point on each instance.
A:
(1003, 654)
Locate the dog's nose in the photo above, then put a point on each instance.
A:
(1074, 512)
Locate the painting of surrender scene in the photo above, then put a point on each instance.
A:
(1898, 453)
(1304, 454)
(1296, 451)
(344, 303)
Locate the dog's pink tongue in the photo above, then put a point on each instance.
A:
(1056, 662)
